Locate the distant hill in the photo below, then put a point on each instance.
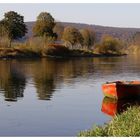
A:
(122, 33)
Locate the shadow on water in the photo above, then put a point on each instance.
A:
(113, 107)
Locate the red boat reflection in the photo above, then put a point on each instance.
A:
(112, 106)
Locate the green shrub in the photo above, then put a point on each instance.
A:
(109, 45)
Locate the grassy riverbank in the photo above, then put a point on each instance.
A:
(49, 51)
(123, 125)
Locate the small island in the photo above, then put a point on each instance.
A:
(52, 39)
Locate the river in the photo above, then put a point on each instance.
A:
(56, 97)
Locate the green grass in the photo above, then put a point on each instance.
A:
(123, 125)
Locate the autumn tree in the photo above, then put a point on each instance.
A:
(88, 37)
(134, 45)
(72, 36)
(110, 45)
(136, 38)
(13, 26)
(44, 25)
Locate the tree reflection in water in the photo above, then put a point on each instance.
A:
(12, 81)
(50, 74)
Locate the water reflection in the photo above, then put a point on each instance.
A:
(112, 107)
(44, 75)
(12, 80)
(50, 74)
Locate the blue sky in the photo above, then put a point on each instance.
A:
(118, 15)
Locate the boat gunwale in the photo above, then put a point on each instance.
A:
(122, 83)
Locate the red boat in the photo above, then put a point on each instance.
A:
(121, 89)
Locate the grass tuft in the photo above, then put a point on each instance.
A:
(124, 125)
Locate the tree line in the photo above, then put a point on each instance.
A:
(13, 27)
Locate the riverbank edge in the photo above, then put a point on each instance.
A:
(11, 53)
(126, 124)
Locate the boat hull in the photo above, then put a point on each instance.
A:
(120, 90)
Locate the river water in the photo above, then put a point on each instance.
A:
(56, 97)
